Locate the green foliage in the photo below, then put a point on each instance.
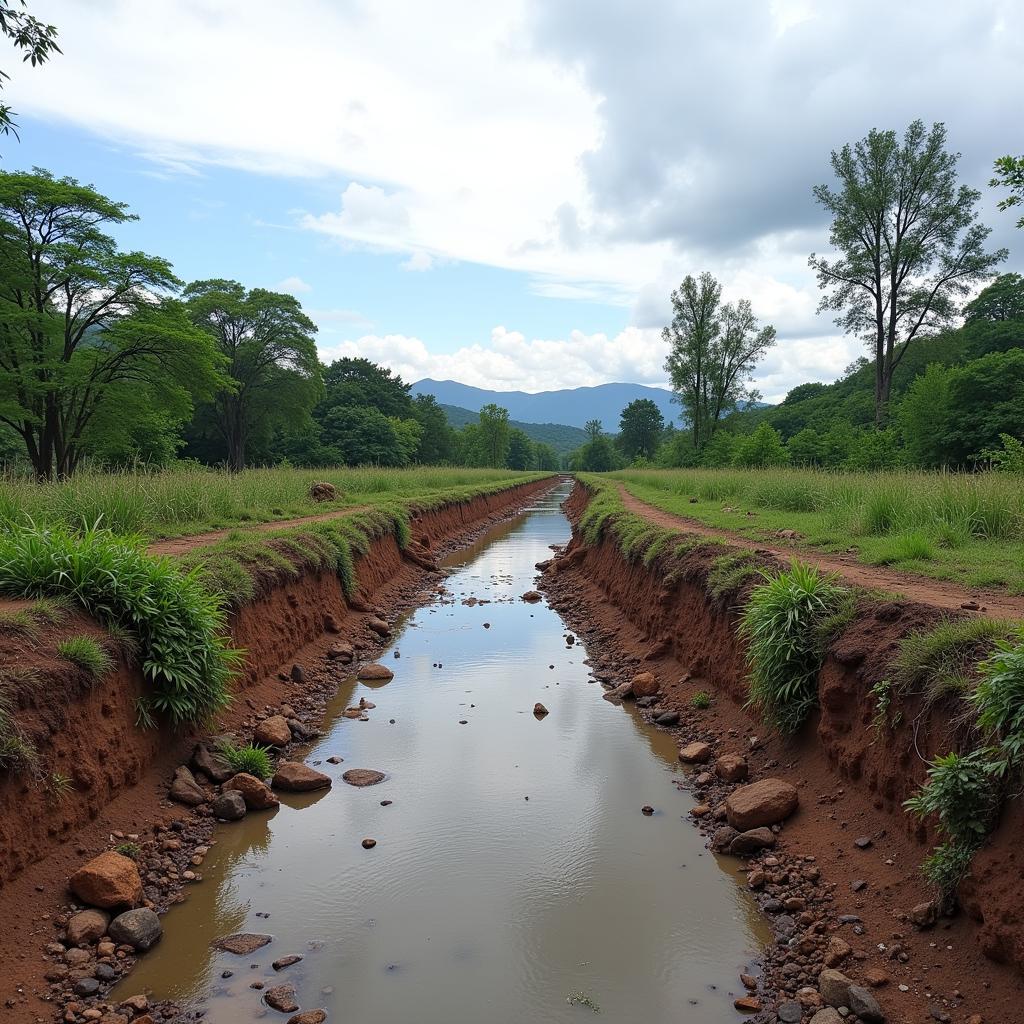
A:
(947, 865)
(1009, 174)
(87, 654)
(640, 427)
(181, 628)
(130, 850)
(905, 547)
(960, 794)
(762, 448)
(730, 572)
(37, 42)
(701, 700)
(17, 752)
(784, 625)
(60, 786)
(1009, 458)
(873, 450)
(999, 703)
(252, 759)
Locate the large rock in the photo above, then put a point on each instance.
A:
(281, 997)
(532, 597)
(834, 987)
(645, 685)
(323, 491)
(242, 943)
(723, 838)
(299, 778)
(374, 673)
(309, 1017)
(87, 926)
(108, 881)
(185, 789)
(205, 759)
(257, 794)
(865, 1005)
(340, 652)
(363, 777)
(761, 803)
(827, 1016)
(750, 842)
(731, 768)
(696, 753)
(139, 929)
(273, 731)
(229, 806)
(379, 626)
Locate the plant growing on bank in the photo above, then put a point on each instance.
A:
(87, 654)
(252, 759)
(701, 700)
(787, 624)
(131, 850)
(60, 786)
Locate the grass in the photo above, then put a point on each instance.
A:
(252, 758)
(17, 752)
(701, 700)
(88, 654)
(963, 527)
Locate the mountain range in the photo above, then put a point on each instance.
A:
(560, 436)
(569, 406)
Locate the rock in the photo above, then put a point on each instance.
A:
(749, 982)
(827, 1016)
(723, 837)
(644, 684)
(135, 1004)
(374, 672)
(241, 943)
(136, 928)
(86, 987)
(185, 790)
(340, 652)
(876, 977)
(751, 841)
(747, 1004)
(273, 731)
(647, 810)
(369, 844)
(838, 950)
(379, 626)
(331, 624)
(539, 710)
(834, 987)
(205, 759)
(865, 1005)
(619, 693)
(298, 674)
(323, 491)
(87, 926)
(309, 1017)
(695, 753)
(761, 803)
(859, 884)
(924, 915)
(731, 768)
(668, 718)
(75, 957)
(229, 806)
(789, 1011)
(108, 881)
(299, 778)
(286, 961)
(363, 777)
(257, 794)
(863, 842)
(532, 597)
(301, 732)
(281, 997)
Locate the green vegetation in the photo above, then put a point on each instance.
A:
(17, 752)
(701, 700)
(37, 42)
(252, 758)
(730, 572)
(130, 850)
(61, 786)
(87, 654)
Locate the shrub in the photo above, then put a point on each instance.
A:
(947, 866)
(130, 850)
(87, 654)
(999, 703)
(787, 624)
(701, 700)
(185, 655)
(253, 759)
(959, 792)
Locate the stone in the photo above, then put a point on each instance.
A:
(834, 987)
(309, 1017)
(229, 805)
(257, 794)
(747, 1004)
(731, 768)
(751, 841)
(340, 652)
(924, 915)
(299, 778)
(863, 842)
(139, 929)
(135, 1004)
(281, 997)
(667, 718)
(374, 673)
(789, 1011)
(539, 710)
(87, 926)
(723, 837)
(827, 1016)
(301, 732)
(379, 626)
(766, 802)
(331, 623)
(363, 777)
(876, 977)
(532, 597)
(297, 674)
(323, 491)
(695, 753)
(86, 987)
(865, 1005)
(838, 950)
(108, 881)
(75, 957)
(286, 961)
(273, 731)
(241, 943)
(369, 844)
(205, 759)
(644, 685)
(185, 790)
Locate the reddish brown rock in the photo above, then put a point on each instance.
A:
(281, 997)
(539, 710)
(309, 1017)
(273, 731)
(241, 943)
(761, 803)
(747, 1004)
(644, 685)
(87, 926)
(340, 652)
(257, 794)
(299, 778)
(108, 881)
(374, 672)
(731, 768)
(532, 597)
(363, 777)
(695, 753)
(379, 626)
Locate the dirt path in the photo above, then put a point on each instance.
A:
(182, 545)
(939, 593)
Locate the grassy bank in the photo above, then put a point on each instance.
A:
(968, 528)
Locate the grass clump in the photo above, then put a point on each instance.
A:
(730, 572)
(252, 759)
(701, 700)
(787, 625)
(87, 654)
(60, 786)
(180, 625)
(130, 850)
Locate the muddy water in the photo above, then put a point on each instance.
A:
(513, 868)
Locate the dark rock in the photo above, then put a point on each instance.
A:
(229, 806)
(301, 732)
(281, 997)
(864, 1005)
(363, 777)
(834, 987)
(136, 928)
(723, 837)
(286, 961)
(298, 674)
(86, 987)
(205, 759)
(105, 973)
(185, 789)
(241, 943)
(789, 1011)
(668, 718)
(750, 842)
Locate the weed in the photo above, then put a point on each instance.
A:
(252, 759)
(904, 547)
(21, 623)
(60, 786)
(17, 751)
(87, 654)
(131, 850)
(947, 866)
(882, 692)
(701, 700)
(730, 572)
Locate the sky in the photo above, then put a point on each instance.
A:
(506, 193)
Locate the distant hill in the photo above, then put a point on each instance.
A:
(572, 406)
(562, 438)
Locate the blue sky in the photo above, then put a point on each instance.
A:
(506, 192)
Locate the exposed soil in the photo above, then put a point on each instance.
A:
(120, 773)
(817, 885)
(928, 591)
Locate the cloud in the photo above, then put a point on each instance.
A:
(418, 261)
(293, 285)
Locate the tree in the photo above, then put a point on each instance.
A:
(763, 447)
(640, 427)
(437, 442)
(923, 414)
(520, 450)
(79, 319)
(994, 321)
(713, 350)
(593, 429)
(1010, 174)
(36, 40)
(908, 244)
(547, 457)
(271, 357)
(494, 435)
(596, 456)
(361, 437)
(355, 382)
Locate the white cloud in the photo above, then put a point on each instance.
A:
(418, 261)
(293, 286)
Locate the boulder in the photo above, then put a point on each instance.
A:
(751, 841)
(379, 626)
(273, 732)
(229, 806)
(619, 693)
(924, 915)
(539, 710)
(281, 997)
(723, 838)
(363, 777)
(205, 759)
(241, 943)
(299, 778)
(139, 929)
(864, 1005)
(667, 718)
(308, 1017)
(108, 881)
(644, 685)
(532, 597)
(374, 672)
(834, 987)
(731, 768)
(185, 790)
(87, 926)
(761, 803)
(340, 652)
(827, 1016)
(301, 732)
(696, 753)
(257, 794)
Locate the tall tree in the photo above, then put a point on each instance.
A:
(36, 41)
(908, 244)
(354, 382)
(494, 434)
(80, 319)
(521, 453)
(593, 429)
(1010, 174)
(640, 427)
(268, 345)
(437, 442)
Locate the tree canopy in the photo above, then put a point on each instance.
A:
(36, 40)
